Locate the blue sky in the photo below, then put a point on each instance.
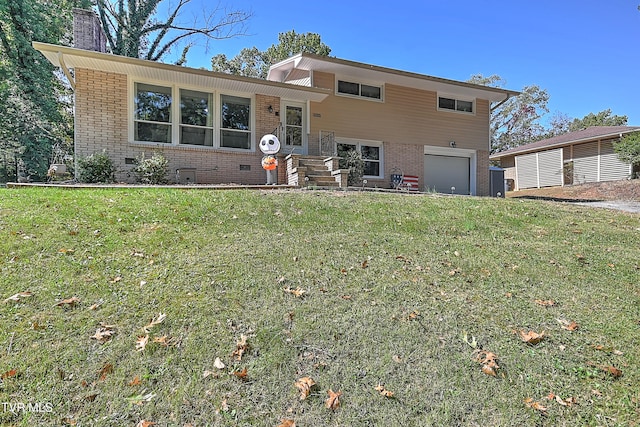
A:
(586, 54)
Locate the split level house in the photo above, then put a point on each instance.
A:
(208, 125)
(572, 158)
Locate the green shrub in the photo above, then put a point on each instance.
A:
(152, 170)
(96, 168)
(628, 151)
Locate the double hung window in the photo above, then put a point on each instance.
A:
(371, 153)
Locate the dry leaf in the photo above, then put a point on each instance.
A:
(141, 342)
(241, 374)
(66, 251)
(218, 363)
(135, 381)
(115, 279)
(396, 358)
(161, 340)
(145, 423)
(155, 322)
(333, 401)
(571, 326)
(19, 296)
(304, 385)
(569, 401)
(298, 293)
(9, 374)
(534, 405)
(69, 301)
(383, 391)
(488, 360)
(365, 263)
(612, 370)
(103, 333)
(531, 337)
(346, 297)
(106, 369)
(241, 347)
(545, 303)
(287, 423)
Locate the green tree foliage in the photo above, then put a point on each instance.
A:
(628, 151)
(35, 113)
(603, 118)
(135, 29)
(251, 62)
(516, 121)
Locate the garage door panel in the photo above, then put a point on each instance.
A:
(444, 172)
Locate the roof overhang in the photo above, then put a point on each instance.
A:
(71, 58)
(524, 149)
(310, 62)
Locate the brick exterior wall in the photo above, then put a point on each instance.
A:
(483, 175)
(101, 123)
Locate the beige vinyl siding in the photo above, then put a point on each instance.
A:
(585, 163)
(527, 169)
(550, 168)
(406, 115)
(611, 168)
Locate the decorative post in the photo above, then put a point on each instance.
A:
(270, 145)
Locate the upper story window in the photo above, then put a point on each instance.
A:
(171, 115)
(464, 106)
(359, 89)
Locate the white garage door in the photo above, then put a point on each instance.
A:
(441, 173)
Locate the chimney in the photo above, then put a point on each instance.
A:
(87, 31)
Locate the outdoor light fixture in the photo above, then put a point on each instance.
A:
(270, 109)
(452, 144)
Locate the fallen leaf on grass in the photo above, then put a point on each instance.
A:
(104, 371)
(569, 401)
(365, 264)
(304, 385)
(383, 391)
(488, 360)
(569, 326)
(66, 251)
(155, 322)
(608, 349)
(241, 347)
(141, 342)
(19, 296)
(608, 369)
(161, 340)
(545, 303)
(333, 401)
(535, 405)
(69, 301)
(287, 423)
(297, 292)
(218, 363)
(241, 374)
(531, 337)
(9, 374)
(135, 381)
(103, 333)
(145, 423)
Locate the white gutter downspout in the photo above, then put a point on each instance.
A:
(66, 71)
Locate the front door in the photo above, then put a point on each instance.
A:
(294, 128)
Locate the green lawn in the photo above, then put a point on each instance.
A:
(397, 291)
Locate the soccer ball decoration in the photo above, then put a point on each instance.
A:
(270, 145)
